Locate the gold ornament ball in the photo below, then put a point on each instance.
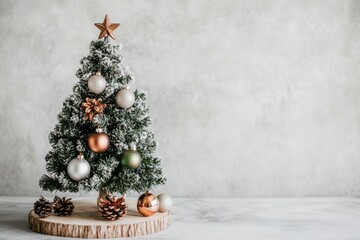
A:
(98, 142)
(147, 204)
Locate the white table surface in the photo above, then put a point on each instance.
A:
(226, 218)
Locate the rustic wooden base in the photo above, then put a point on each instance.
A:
(86, 222)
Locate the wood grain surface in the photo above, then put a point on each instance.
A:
(86, 222)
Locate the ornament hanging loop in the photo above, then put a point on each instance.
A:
(133, 147)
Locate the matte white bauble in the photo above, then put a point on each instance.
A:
(78, 168)
(97, 83)
(165, 202)
(125, 98)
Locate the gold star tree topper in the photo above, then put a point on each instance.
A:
(107, 28)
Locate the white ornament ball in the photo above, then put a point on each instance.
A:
(125, 98)
(97, 84)
(165, 202)
(78, 168)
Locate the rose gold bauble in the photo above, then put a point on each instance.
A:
(98, 142)
(147, 204)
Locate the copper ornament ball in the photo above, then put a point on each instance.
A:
(98, 142)
(147, 204)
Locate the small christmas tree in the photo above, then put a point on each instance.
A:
(101, 140)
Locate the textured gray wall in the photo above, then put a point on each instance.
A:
(255, 98)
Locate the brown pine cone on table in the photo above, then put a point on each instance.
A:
(42, 207)
(112, 207)
(62, 206)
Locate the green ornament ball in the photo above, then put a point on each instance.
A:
(131, 159)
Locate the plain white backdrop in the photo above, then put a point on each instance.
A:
(248, 98)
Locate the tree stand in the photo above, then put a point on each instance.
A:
(86, 222)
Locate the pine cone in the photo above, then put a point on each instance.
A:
(42, 207)
(62, 206)
(112, 208)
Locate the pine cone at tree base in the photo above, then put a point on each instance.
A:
(42, 207)
(62, 206)
(112, 207)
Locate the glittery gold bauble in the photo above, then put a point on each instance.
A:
(147, 204)
(98, 142)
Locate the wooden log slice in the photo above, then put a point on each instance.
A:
(86, 222)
